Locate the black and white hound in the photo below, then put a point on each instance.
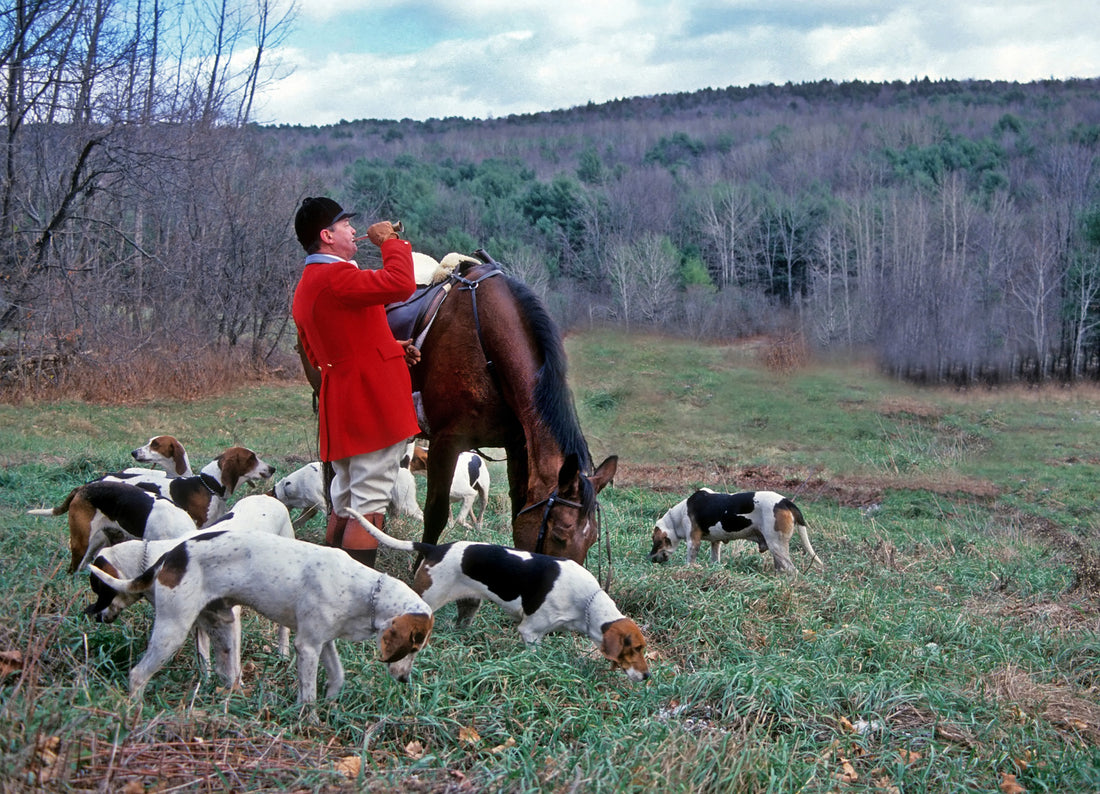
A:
(546, 593)
(469, 485)
(766, 517)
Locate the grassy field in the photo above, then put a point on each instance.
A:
(949, 645)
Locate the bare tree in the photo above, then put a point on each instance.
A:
(728, 217)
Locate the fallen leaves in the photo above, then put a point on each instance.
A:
(847, 773)
(45, 758)
(10, 662)
(349, 766)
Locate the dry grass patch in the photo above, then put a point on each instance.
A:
(1068, 617)
(1068, 710)
(169, 752)
(901, 407)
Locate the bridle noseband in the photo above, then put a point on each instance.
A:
(551, 501)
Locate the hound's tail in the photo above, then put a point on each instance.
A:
(139, 584)
(803, 534)
(383, 538)
(55, 511)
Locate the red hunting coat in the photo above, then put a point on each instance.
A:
(366, 392)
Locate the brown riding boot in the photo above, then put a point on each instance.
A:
(334, 530)
(360, 544)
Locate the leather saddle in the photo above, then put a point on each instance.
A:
(411, 318)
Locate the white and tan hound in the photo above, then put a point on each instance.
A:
(319, 592)
(167, 453)
(257, 513)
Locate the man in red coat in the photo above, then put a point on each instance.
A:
(365, 397)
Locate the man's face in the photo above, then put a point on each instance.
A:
(339, 239)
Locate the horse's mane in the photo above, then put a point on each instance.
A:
(552, 396)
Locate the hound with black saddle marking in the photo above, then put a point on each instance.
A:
(546, 593)
(105, 512)
(101, 513)
(257, 513)
(321, 593)
(766, 517)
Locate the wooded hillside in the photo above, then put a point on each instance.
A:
(951, 227)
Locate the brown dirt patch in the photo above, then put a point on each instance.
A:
(846, 491)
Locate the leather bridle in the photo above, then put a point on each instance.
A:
(552, 501)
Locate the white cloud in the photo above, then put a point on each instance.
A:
(476, 58)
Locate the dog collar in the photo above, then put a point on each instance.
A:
(588, 605)
(373, 598)
(217, 488)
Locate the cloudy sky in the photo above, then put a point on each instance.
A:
(420, 59)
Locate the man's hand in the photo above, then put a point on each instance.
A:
(412, 352)
(379, 232)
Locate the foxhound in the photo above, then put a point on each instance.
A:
(319, 592)
(469, 484)
(546, 593)
(203, 495)
(257, 513)
(766, 517)
(303, 489)
(166, 452)
(100, 516)
(105, 512)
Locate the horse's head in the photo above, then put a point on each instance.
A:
(567, 522)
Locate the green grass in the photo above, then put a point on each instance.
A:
(951, 640)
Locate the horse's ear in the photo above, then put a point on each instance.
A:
(605, 473)
(569, 471)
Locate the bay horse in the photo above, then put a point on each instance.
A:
(492, 373)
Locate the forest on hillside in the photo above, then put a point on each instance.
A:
(951, 228)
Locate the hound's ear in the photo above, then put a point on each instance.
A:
(177, 458)
(612, 645)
